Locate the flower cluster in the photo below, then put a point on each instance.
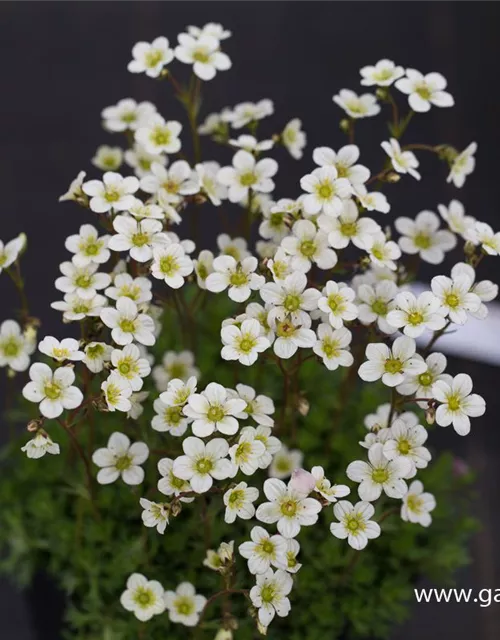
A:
(326, 282)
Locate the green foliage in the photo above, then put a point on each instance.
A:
(90, 547)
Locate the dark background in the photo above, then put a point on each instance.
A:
(61, 63)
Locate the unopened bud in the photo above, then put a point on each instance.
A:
(430, 415)
(261, 628)
(392, 177)
(303, 406)
(276, 138)
(175, 508)
(224, 634)
(34, 425)
(382, 93)
(226, 551)
(469, 248)
(302, 481)
(345, 125)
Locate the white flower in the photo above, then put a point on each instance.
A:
(155, 514)
(141, 160)
(487, 238)
(171, 264)
(207, 179)
(247, 112)
(114, 192)
(239, 502)
(290, 297)
(251, 144)
(127, 114)
(52, 389)
(85, 281)
(203, 462)
(138, 237)
(66, 349)
(349, 227)
(294, 138)
(41, 444)
(213, 410)
(74, 191)
(121, 459)
(263, 551)
(258, 407)
(108, 158)
(420, 384)
(325, 488)
(203, 267)
(292, 551)
(383, 74)
(15, 346)
(235, 247)
(457, 403)
(454, 216)
(88, 246)
(462, 165)
(354, 523)
(380, 419)
(136, 409)
(273, 445)
(276, 219)
(417, 505)
(9, 253)
(269, 595)
(402, 161)
(485, 289)
(246, 453)
(455, 296)
(221, 559)
(240, 277)
(391, 364)
(379, 474)
(422, 236)
(337, 302)
(128, 324)
(172, 183)
(243, 343)
(374, 201)
(331, 347)
(325, 191)
(415, 315)
(117, 392)
(169, 484)
(178, 391)
(125, 286)
(424, 91)
(375, 302)
(150, 58)
(285, 462)
(307, 245)
(344, 162)
(290, 335)
(174, 365)
(159, 136)
(407, 441)
(383, 252)
(289, 508)
(96, 354)
(203, 53)
(184, 605)
(169, 417)
(130, 366)
(214, 29)
(247, 173)
(145, 598)
(356, 106)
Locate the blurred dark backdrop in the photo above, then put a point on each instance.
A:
(61, 63)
